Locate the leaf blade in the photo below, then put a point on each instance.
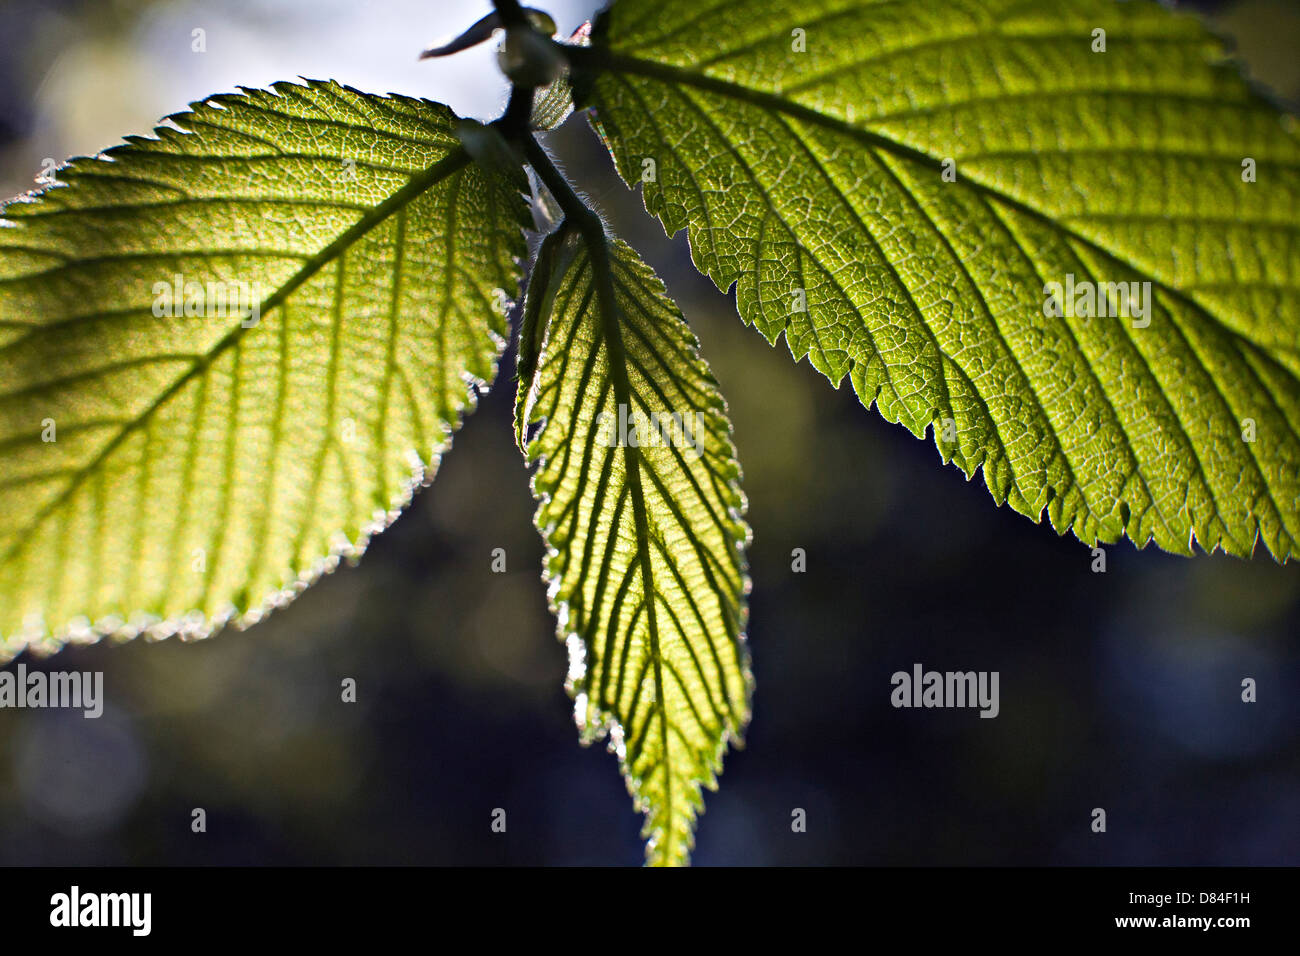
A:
(823, 173)
(217, 462)
(645, 559)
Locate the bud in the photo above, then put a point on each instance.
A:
(530, 59)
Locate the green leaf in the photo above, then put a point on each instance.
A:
(820, 174)
(645, 542)
(552, 104)
(206, 467)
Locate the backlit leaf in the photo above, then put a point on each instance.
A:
(645, 529)
(173, 465)
(805, 148)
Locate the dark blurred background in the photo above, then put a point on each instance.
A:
(1118, 690)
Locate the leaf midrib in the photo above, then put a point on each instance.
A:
(417, 185)
(597, 243)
